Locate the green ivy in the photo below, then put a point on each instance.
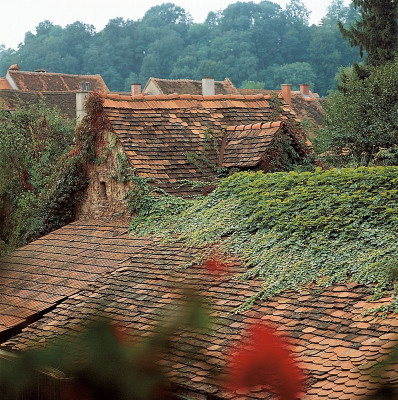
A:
(294, 230)
(43, 169)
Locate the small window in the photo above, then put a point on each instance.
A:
(102, 189)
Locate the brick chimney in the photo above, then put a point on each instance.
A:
(287, 92)
(135, 89)
(80, 99)
(305, 89)
(208, 87)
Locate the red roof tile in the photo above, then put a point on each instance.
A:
(248, 146)
(187, 86)
(157, 132)
(53, 82)
(37, 276)
(144, 280)
(4, 84)
(307, 108)
(64, 101)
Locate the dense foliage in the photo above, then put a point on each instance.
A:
(246, 41)
(42, 169)
(376, 31)
(31, 143)
(293, 229)
(363, 118)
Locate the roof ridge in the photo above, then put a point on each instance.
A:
(175, 96)
(187, 80)
(258, 125)
(50, 73)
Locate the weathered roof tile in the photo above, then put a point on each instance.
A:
(148, 281)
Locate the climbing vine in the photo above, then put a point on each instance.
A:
(43, 160)
(295, 230)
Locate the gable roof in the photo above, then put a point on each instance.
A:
(52, 82)
(334, 341)
(64, 101)
(188, 86)
(246, 146)
(157, 132)
(306, 107)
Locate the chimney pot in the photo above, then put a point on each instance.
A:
(208, 87)
(287, 93)
(135, 89)
(305, 89)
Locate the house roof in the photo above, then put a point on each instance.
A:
(245, 146)
(157, 132)
(309, 108)
(141, 279)
(52, 82)
(4, 84)
(64, 101)
(188, 86)
(36, 277)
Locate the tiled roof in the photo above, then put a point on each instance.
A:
(37, 276)
(187, 86)
(54, 82)
(245, 146)
(65, 101)
(4, 84)
(157, 132)
(334, 341)
(306, 108)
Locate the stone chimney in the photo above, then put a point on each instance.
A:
(287, 93)
(305, 89)
(80, 99)
(208, 87)
(135, 89)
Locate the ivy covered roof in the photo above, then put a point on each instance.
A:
(136, 281)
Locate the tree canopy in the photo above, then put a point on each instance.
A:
(376, 31)
(246, 41)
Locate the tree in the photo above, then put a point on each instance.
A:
(376, 32)
(31, 143)
(327, 51)
(295, 73)
(364, 118)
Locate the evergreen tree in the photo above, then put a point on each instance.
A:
(376, 32)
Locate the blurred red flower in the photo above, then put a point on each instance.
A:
(263, 358)
(215, 266)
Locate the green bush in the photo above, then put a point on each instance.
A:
(363, 116)
(32, 142)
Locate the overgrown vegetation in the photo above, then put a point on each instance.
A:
(362, 118)
(295, 229)
(42, 170)
(246, 41)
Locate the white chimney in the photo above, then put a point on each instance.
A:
(287, 92)
(135, 89)
(80, 99)
(208, 87)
